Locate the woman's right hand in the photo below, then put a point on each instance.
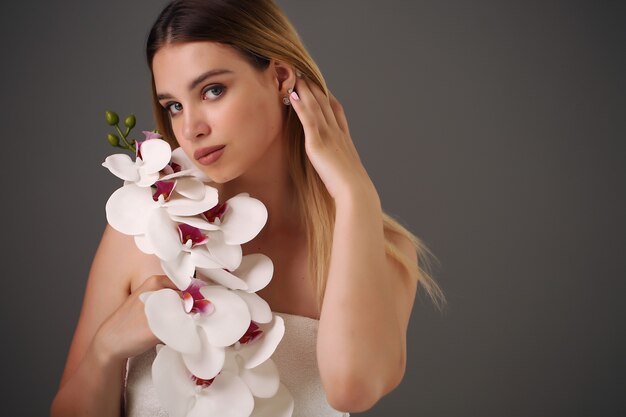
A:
(125, 333)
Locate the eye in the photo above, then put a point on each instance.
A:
(213, 90)
(173, 108)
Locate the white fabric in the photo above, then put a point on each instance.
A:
(296, 360)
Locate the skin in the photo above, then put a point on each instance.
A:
(361, 341)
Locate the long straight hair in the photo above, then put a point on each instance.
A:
(260, 31)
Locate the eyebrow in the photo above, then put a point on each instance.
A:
(200, 78)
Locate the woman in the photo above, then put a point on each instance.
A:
(235, 88)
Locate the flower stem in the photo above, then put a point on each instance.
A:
(130, 147)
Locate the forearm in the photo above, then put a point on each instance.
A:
(360, 342)
(95, 388)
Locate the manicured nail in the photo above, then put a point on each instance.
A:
(294, 96)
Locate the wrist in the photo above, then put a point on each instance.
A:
(359, 197)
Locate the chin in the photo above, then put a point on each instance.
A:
(221, 177)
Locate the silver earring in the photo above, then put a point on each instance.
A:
(286, 101)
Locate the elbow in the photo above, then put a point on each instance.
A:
(356, 393)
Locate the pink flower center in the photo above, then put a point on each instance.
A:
(175, 167)
(193, 299)
(202, 382)
(138, 149)
(189, 233)
(216, 212)
(163, 188)
(252, 334)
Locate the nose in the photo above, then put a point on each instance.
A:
(195, 124)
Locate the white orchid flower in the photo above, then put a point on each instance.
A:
(151, 157)
(252, 275)
(132, 210)
(229, 225)
(182, 248)
(250, 360)
(200, 325)
(129, 208)
(183, 394)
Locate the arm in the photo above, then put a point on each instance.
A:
(366, 310)
(111, 328)
(361, 344)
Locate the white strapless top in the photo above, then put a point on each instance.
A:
(296, 360)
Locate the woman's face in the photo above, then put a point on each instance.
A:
(226, 115)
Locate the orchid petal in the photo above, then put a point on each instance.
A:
(147, 178)
(149, 134)
(191, 188)
(180, 157)
(178, 206)
(144, 296)
(230, 362)
(209, 360)
(144, 244)
(179, 174)
(260, 310)
(223, 277)
(256, 270)
(229, 321)
(179, 270)
(228, 396)
(128, 209)
(169, 322)
(156, 153)
(243, 220)
(172, 382)
(202, 258)
(195, 221)
(163, 235)
(262, 380)
(260, 350)
(280, 405)
(122, 166)
(229, 256)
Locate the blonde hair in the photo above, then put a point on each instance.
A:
(260, 31)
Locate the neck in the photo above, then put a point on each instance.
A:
(269, 181)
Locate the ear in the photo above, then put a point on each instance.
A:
(284, 76)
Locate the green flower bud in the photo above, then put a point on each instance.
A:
(112, 117)
(113, 139)
(130, 121)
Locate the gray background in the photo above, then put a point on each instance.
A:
(504, 119)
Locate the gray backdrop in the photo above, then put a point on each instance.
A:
(507, 117)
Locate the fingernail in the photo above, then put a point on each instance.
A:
(294, 96)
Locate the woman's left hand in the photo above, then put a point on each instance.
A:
(327, 141)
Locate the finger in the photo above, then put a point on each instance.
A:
(156, 282)
(323, 102)
(308, 109)
(340, 115)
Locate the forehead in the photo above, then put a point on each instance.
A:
(177, 63)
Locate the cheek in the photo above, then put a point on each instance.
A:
(260, 119)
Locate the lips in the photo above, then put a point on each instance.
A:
(201, 153)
